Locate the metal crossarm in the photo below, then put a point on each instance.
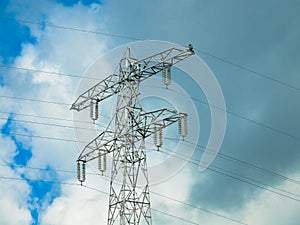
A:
(143, 126)
(138, 70)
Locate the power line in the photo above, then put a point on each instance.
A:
(196, 207)
(47, 72)
(170, 89)
(91, 188)
(152, 192)
(236, 160)
(268, 77)
(234, 114)
(42, 137)
(199, 147)
(71, 28)
(196, 99)
(102, 34)
(50, 117)
(176, 217)
(189, 161)
(34, 100)
(221, 155)
(234, 177)
(47, 124)
(239, 179)
(194, 161)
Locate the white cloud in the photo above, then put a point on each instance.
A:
(59, 50)
(79, 205)
(13, 193)
(271, 209)
(56, 50)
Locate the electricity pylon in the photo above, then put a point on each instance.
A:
(128, 203)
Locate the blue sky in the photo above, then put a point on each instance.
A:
(262, 108)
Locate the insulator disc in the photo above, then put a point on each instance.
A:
(160, 137)
(180, 126)
(104, 162)
(169, 76)
(83, 172)
(78, 172)
(92, 110)
(164, 75)
(185, 126)
(96, 111)
(99, 162)
(154, 136)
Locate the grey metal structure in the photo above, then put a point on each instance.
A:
(128, 204)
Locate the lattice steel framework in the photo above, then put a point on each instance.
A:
(128, 204)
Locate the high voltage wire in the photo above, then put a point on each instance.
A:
(43, 137)
(231, 113)
(34, 100)
(48, 124)
(239, 161)
(71, 28)
(199, 147)
(176, 217)
(218, 58)
(196, 99)
(195, 162)
(221, 155)
(240, 179)
(214, 170)
(100, 191)
(48, 72)
(170, 89)
(189, 161)
(237, 115)
(152, 192)
(94, 189)
(268, 77)
(49, 117)
(63, 139)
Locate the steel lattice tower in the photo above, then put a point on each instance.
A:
(129, 204)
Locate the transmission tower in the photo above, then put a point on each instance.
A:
(129, 202)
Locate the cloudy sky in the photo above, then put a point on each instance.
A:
(253, 50)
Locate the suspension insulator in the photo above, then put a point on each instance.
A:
(104, 162)
(180, 126)
(155, 135)
(99, 161)
(83, 172)
(164, 75)
(94, 111)
(160, 137)
(166, 79)
(78, 172)
(81, 176)
(169, 76)
(185, 126)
